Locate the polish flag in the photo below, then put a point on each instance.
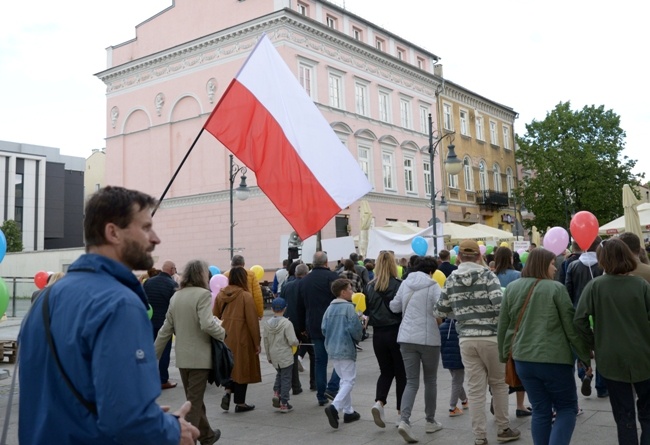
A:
(268, 121)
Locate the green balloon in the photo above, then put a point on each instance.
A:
(150, 312)
(489, 249)
(523, 257)
(4, 297)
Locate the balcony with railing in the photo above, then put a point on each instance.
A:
(492, 200)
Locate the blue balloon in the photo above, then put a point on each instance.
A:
(456, 249)
(214, 270)
(3, 245)
(419, 246)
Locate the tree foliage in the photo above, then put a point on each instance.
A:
(572, 161)
(14, 236)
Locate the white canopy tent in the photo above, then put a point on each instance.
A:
(618, 225)
(493, 231)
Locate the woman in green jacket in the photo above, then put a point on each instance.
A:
(620, 306)
(542, 347)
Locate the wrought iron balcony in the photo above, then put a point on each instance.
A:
(491, 199)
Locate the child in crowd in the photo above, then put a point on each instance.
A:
(451, 360)
(280, 343)
(342, 330)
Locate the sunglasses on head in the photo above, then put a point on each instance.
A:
(387, 251)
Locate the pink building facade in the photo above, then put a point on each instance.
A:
(375, 89)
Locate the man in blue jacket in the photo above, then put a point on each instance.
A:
(102, 336)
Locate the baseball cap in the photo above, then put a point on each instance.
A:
(278, 304)
(469, 247)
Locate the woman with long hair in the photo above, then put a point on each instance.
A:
(504, 266)
(385, 324)
(189, 318)
(349, 272)
(419, 341)
(542, 340)
(235, 306)
(619, 304)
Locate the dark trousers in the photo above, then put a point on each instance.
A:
(621, 397)
(295, 374)
(195, 382)
(322, 383)
(239, 391)
(303, 350)
(282, 383)
(163, 363)
(391, 365)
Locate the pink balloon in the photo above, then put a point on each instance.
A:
(520, 251)
(482, 249)
(218, 282)
(556, 240)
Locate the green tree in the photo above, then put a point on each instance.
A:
(14, 236)
(572, 161)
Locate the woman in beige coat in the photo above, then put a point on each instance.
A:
(236, 307)
(190, 319)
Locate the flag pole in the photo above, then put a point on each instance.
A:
(176, 173)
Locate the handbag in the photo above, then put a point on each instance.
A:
(512, 379)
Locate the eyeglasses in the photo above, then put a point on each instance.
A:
(386, 251)
(602, 243)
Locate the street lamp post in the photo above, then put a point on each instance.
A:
(242, 193)
(452, 166)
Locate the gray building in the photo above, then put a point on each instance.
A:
(43, 191)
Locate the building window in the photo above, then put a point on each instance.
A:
(379, 44)
(357, 34)
(305, 74)
(405, 113)
(400, 53)
(464, 127)
(365, 161)
(409, 177)
(510, 181)
(427, 178)
(479, 128)
(469, 176)
(493, 133)
(506, 137)
(420, 63)
(446, 114)
(361, 98)
(424, 119)
(302, 9)
(384, 106)
(453, 181)
(388, 171)
(413, 222)
(482, 176)
(496, 177)
(336, 90)
(331, 22)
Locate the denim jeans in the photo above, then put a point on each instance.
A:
(550, 386)
(621, 397)
(414, 356)
(320, 368)
(163, 363)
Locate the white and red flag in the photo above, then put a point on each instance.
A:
(268, 121)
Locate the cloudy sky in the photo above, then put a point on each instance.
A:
(527, 55)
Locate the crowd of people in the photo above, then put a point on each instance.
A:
(554, 315)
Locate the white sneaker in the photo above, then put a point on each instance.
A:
(404, 430)
(378, 414)
(432, 427)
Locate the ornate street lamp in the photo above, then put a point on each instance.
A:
(242, 194)
(453, 166)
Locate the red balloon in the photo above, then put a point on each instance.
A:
(40, 279)
(584, 229)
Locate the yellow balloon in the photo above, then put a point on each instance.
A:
(258, 271)
(504, 244)
(439, 277)
(359, 301)
(480, 243)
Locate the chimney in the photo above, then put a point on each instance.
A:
(437, 69)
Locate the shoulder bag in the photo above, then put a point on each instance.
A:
(512, 379)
